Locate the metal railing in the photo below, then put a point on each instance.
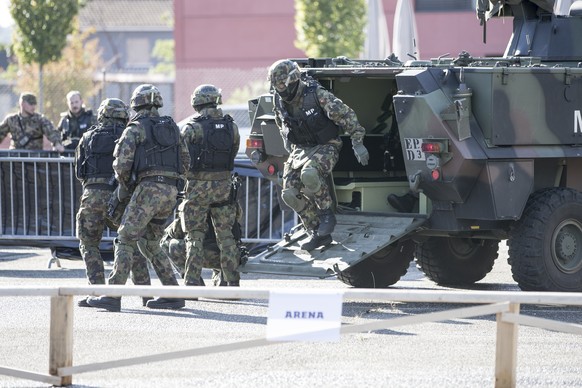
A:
(39, 199)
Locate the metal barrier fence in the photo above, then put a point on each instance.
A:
(39, 199)
(506, 306)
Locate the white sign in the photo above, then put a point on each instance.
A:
(304, 316)
(413, 149)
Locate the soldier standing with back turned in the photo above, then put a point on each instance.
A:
(151, 157)
(213, 140)
(94, 168)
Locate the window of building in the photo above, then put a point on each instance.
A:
(138, 52)
(444, 5)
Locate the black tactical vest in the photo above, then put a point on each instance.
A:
(99, 146)
(74, 127)
(215, 152)
(161, 149)
(310, 126)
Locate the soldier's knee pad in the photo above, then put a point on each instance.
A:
(293, 199)
(310, 179)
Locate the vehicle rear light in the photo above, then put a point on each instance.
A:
(272, 169)
(435, 174)
(432, 147)
(254, 143)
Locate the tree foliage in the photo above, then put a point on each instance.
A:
(330, 28)
(43, 26)
(76, 70)
(164, 51)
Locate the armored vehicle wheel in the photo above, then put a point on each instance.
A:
(545, 248)
(456, 261)
(381, 269)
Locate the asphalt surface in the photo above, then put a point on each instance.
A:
(453, 353)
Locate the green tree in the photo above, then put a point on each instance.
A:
(42, 29)
(164, 51)
(75, 70)
(330, 28)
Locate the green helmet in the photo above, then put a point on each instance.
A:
(283, 73)
(144, 95)
(112, 108)
(206, 94)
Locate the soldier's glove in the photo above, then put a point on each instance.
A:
(122, 193)
(361, 152)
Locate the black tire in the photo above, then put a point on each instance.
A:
(545, 247)
(456, 261)
(382, 269)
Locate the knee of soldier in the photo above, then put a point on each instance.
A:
(310, 179)
(293, 199)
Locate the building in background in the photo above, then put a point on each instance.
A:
(231, 43)
(127, 32)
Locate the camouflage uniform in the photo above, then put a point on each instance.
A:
(73, 126)
(208, 191)
(174, 245)
(98, 186)
(151, 204)
(27, 131)
(152, 201)
(310, 119)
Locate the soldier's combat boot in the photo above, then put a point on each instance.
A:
(327, 222)
(166, 303)
(105, 302)
(145, 299)
(315, 240)
(404, 203)
(83, 302)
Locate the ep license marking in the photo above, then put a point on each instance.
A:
(412, 149)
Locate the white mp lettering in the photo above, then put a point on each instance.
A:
(577, 122)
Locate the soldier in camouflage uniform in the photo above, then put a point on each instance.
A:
(174, 245)
(151, 157)
(27, 127)
(94, 168)
(310, 119)
(213, 140)
(75, 121)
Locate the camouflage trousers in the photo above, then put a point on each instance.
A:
(200, 196)
(90, 225)
(175, 248)
(141, 229)
(323, 162)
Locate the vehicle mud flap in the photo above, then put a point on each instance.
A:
(356, 236)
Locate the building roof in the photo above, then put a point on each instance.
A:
(127, 15)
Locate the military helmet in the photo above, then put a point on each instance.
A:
(144, 95)
(283, 73)
(206, 94)
(112, 108)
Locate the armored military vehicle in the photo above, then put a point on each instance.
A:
(489, 149)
